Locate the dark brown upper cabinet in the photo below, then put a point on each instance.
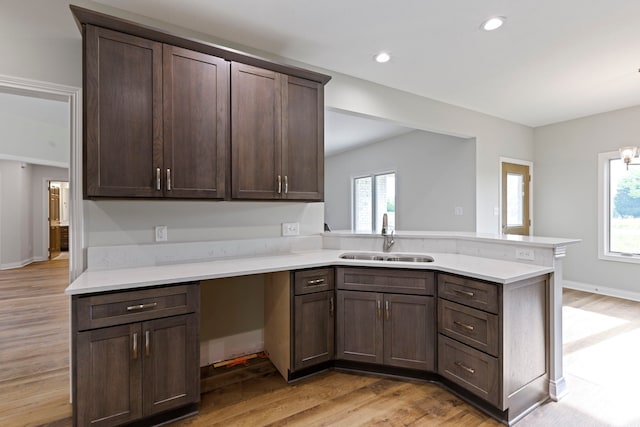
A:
(173, 117)
(156, 119)
(277, 135)
(196, 117)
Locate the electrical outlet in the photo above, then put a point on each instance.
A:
(290, 228)
(525, 253)
(161, 233)
(458, 211)
(496, 211)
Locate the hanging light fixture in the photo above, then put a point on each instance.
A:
(627, 154)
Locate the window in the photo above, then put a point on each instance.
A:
(373, 196)
(619, 218)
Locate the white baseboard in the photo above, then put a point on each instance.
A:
(216, 350)
(603, 290)
(19, 264)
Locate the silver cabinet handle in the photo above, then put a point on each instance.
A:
(279, 184)
(387, 312)
(286, 184)
(331, 307)
(158, 179)
(135, 346)
(466, 368)
(379, 304)
(146, 343)
(168, 179)
(142, 306)
(465, 293)
(315, 282)
(464, 325)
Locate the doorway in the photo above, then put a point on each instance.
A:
(58, 219)
(515, 197)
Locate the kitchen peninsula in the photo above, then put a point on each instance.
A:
(479, 301)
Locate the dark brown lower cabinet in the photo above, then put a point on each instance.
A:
(313, 318)
(128, 371)
(314, 329)
(390, 329)
(131, 371)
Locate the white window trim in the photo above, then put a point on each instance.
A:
(353, 199)
(603, 212)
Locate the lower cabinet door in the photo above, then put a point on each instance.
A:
(409, 331)
(314, 329)
(359, 328)
(171, 363)
(109, 367)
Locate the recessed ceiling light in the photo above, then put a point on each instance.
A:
(493, 23)
(382, 57)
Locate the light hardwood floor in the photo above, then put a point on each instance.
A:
(602, 347)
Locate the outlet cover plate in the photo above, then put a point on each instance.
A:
(290, 228)
(525, 253)
(161, 233)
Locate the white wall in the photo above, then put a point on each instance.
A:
(566, 192)
(16, 231)
(34, 130)
(435, 173)
(494, 137)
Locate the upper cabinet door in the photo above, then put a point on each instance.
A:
(123, 112)
(303, 139)
(196, 117)
(256, 133)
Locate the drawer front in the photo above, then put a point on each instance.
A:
(470, 326)
(98, 311)
(475, 371)
(469, 292)
(414, 282)
(311, 281)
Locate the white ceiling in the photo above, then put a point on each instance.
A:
(552, 61)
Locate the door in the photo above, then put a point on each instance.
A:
(196, 117)
(359, 326)
(109, 366)
(123, 114)
(516, 180)
(54, 221)
(303, 139)
(256, 134)
(409, 331)
(171, 375)
(314, 329)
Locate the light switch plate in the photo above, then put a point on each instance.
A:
(161, 233)
(290, 228)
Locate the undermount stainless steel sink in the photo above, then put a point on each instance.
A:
(386, 257)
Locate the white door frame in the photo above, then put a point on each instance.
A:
(516, 162)
(73, 96)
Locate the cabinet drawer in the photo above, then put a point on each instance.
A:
(395, 281)
(468, 325)
(469, 292)
(472, 369)
(98, 311)
(310, 281)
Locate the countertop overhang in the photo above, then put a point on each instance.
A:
(95, 281)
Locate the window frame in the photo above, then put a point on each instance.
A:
(604, 210)
(373, 176)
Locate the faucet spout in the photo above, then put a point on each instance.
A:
(388, 237)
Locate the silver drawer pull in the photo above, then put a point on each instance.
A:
(279, 184)
(466, 368)
(142, 306)
(147, 343)
(464, 325)
(315, 282)
(465, 293)
(158, 179)
(135, 346)
(168, 179)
